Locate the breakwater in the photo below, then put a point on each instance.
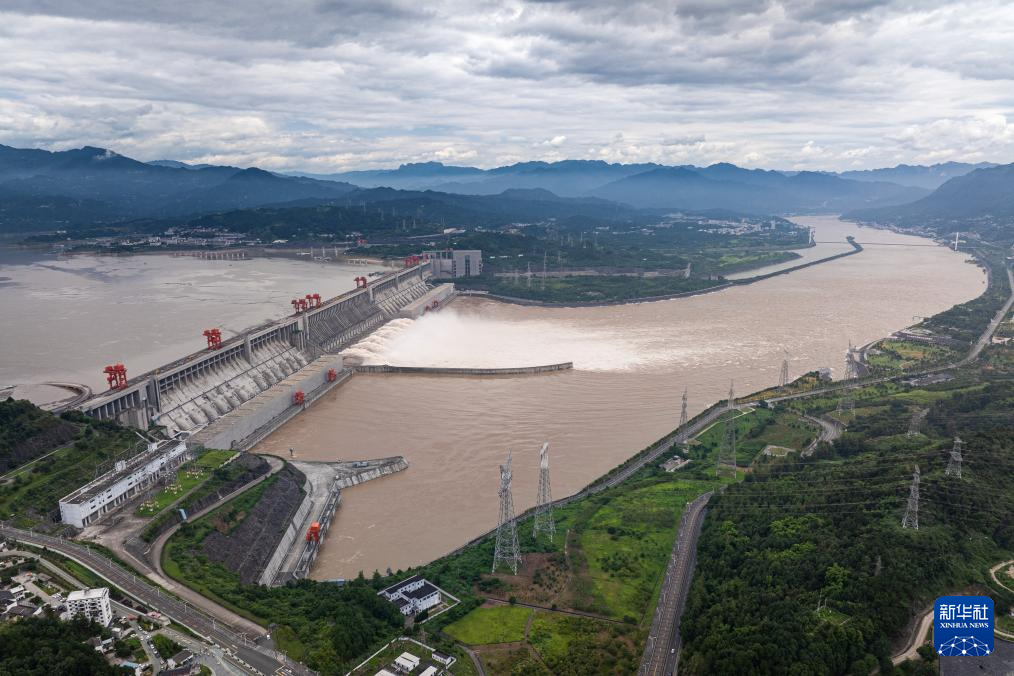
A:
(856, 248)
(294, 555)
(449, 371)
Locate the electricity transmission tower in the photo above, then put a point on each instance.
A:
(911, 518)
(783, 377)
(728, 447)
(543, 521)
(507, 550)
(682, 432)
(847, 403)
(916, 422)
(954, 465)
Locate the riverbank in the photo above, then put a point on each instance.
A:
(718, 286)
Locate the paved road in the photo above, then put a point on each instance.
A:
(256, 658)
(829, 431)
(661, 653)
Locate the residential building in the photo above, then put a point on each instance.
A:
(413, 595)
(406, 663)
(92, 603)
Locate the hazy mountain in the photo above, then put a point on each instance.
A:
(918, 176)
(568, 178)
(411, 176)
(751, 190)
(981, 200)
(39, 188)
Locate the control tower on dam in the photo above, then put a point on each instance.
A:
(200, 388)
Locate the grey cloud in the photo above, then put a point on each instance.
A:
(331, 85)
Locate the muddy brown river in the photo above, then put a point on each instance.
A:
(631, 364)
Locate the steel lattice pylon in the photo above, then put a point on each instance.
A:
(681, 431)
(783, 376)
(954, 464)
(543, 521)
(911, 518)
(728, 446)
(847, 403)
(507, 549)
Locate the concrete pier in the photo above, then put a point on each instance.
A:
(294, 556)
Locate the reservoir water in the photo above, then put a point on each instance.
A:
(631, 365)
(65, 318)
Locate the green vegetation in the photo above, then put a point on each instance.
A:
(575, 646)
(27, 432)
(492, 624)
(42, 646)
(597, 288)
(30, 496)
(325, 625)
(165, 646)
(189, 476)
(220, 477)
(828, 531)
(889, 357)
(755, 430)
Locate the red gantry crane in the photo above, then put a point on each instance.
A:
(116, 376)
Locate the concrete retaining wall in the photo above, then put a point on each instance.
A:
(293, 531)
(430, 370)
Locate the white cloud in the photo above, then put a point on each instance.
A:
(326, 85)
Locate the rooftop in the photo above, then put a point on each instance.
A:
(422, 592)
(107, 480)
(404, 583)
(87, 594)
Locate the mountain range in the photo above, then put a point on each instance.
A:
(982, 200)
(42, 190)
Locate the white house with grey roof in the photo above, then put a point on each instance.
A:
(413, 595)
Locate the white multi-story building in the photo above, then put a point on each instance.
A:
(92, 603)
(413, 595)
(126, 480)
(451, 263)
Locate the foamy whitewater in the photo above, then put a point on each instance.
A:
(466, 339)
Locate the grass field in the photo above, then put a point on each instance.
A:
(495, 624)
(897, 356)
(755, 430)
(575, 646)
(190, 475)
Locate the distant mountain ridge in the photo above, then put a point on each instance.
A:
(654, 186)
(40, 189)
(982, 200)
(88, 186)
(929, 177)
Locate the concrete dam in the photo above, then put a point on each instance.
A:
(293, 358)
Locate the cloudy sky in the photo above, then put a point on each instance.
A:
(332, 85)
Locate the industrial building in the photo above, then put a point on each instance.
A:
(128, 479)
(413, 595)
(92, 603)
(453, 263)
